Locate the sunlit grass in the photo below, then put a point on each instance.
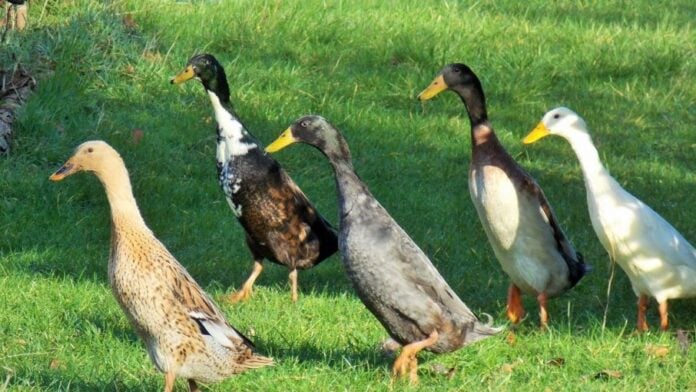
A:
(628, 70)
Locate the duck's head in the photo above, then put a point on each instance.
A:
(94, 156)
(560, 121)
(453, 76)
(204, 68)
(317, 132)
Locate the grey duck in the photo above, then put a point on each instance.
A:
(391, 275)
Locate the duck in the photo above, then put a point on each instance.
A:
(659, 261)
(518, 220)
(280, 223)
(185, 333)
(391, 275)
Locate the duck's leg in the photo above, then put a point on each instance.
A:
(543, 314)
(245, 292)
(664, 319)
(293, 284)
(406, 361)
(193, 387)
(169, 379)
(515, 310)
(642, 324)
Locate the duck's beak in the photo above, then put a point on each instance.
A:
(436, 87)
(285, 139)
(537, 133)
(67, 169)
(183, 76)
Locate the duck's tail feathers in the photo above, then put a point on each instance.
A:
(481, 330)
(257, 361)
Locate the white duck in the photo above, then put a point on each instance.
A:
(659, 262)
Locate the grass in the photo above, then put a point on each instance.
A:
(627, 69)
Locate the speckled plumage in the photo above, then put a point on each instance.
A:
(185, 333)
(281, 224)
(390, 273)
(518, 220)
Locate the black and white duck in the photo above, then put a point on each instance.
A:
(392, 276)
(518, 220)
(281, 224)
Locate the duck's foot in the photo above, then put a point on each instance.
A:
(543, 314)
(406, 362)
(664, 317)
(193, 387)
(642, 324)
(247, 288)
(515, 309)
(293, 285)
(169, 379)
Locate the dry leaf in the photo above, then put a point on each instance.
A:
(606, 374)
(511, 338)
(556, 361)
(137, 135)
(129, 22)
(509, 367)
(657, 350)
(55, 363)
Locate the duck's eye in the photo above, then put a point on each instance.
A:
(90, 150)
(457, 70)
(304, 124)
(556, 116)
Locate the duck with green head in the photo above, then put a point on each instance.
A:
(281, 224)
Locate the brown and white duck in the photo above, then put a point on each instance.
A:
(518, 220)
(185, 333)
(281, 224)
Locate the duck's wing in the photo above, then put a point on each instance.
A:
(203, 310)
(658, 235)
(574, 260)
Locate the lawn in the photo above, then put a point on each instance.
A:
(103, 69)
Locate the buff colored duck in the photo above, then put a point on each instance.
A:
(281, 224)
(185, 333)
(392, 276)
(518, 220)
(659, 261)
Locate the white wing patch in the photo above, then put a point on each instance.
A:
(220, 332)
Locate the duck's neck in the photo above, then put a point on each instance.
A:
(348, 186)
(593, 170)
(233, 138)
(475, 102)
(124, 210)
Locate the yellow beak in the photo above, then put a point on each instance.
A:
(539, 132)
(285, 139)
(183, 76)
(436, 87)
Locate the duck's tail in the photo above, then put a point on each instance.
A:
(256, 361)
(480, 330)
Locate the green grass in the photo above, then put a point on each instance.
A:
(628, 69)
